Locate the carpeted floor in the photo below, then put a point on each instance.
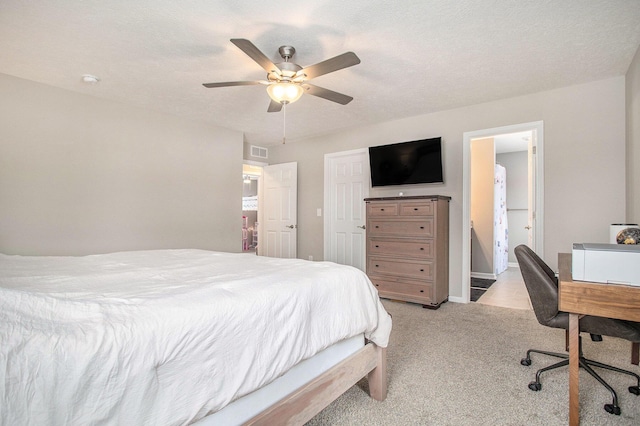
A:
(460, 365)
(478, 287)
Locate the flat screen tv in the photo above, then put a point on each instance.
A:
(418, 161)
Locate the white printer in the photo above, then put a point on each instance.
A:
(606, 263)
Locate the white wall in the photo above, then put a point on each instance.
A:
(584, 163)
(81, 175)
(633, 140)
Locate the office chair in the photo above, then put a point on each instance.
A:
(542, 286)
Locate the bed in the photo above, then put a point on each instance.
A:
(169, 337)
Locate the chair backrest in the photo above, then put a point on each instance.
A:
(541, 284)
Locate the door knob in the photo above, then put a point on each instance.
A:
(527, 227)
(362, 227)
(291, 226)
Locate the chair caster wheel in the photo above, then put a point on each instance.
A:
(525, 361)
(634, 390)
(609, 408)
(535, 386)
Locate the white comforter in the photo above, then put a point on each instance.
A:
(166, 336)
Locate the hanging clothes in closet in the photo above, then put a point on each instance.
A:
(500, 228)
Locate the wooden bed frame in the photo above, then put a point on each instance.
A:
(301, 405)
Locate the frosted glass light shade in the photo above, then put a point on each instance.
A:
(284, 93)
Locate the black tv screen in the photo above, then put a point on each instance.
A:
(418, 161)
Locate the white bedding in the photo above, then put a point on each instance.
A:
(166, 336)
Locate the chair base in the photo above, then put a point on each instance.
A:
(586, 364)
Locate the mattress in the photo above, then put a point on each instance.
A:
(165, 336)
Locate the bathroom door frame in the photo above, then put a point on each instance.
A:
(536, 156)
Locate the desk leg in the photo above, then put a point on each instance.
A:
(574, 369)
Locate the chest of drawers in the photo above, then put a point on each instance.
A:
(408, 248)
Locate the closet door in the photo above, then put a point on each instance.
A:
(346, 187)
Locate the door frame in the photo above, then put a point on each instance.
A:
(538, 186)
(327, 195)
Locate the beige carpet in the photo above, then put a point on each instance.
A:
(460, 365)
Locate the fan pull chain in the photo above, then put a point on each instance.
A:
(284, 123)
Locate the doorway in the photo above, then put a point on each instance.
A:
(269, 211)
(512, 153)
(494, 142)
(251, 174)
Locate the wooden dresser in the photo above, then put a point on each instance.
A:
(408, 248)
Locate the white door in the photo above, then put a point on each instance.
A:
(278, 234)
(346, 187)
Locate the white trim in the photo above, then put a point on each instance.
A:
(255, 163)
(514, 265)
(327, 194)
(538, 128)
(484, 276)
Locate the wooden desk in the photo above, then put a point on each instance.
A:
(580, 298)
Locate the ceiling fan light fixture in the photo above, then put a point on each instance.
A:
(284, 92)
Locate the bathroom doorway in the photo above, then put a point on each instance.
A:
(486, 226)
(251, 174)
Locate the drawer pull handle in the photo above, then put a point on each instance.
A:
(415, 209)
(421, 248)
(421, 291)
(377, 246)
(377, 266)
(377, 227)
(422, 227)
(421, 270)
(381, 210)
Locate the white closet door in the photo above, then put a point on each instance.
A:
(347, 185)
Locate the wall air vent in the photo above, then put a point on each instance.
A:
(258, 151)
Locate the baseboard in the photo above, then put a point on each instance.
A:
(484, 276)
(455, 299)
(513, 265)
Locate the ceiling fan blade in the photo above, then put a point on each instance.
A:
(330, 65)
(274, 106)
(330, 95)
(254, 53)
(233, 83)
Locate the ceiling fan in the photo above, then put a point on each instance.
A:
(287, 81)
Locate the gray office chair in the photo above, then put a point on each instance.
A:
(542, 286)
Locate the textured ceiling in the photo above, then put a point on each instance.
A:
(417, 56)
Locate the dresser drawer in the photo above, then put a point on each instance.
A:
(382, 209)
(418, 269)
(411, 228)
(401, 248)
(416, 209)
(412, 291)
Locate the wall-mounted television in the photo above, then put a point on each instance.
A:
(404, 163)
